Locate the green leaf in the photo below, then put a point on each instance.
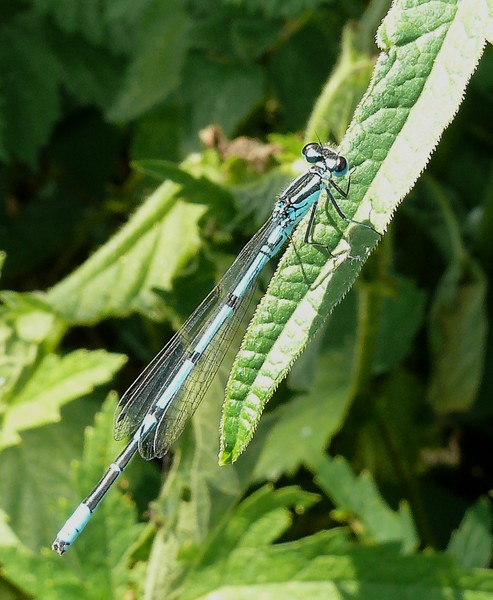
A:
(402, 313)
(57, 381)
(97, 566)
(197, 497)
(36, 473)
(391, 431)
(100, 23)
(458, 317)
(100, 555)
(345, 87)
(197, 189)
(250, 37)
(40, 577)
(91, 74)
(155, 69)
(218, 92)
(398, 124)
(7, 536)
(320, 567)
(31, 102)
(276, 9)
(74, 17)
(458, 337)
(29, 330)
(157, 135)
(255, 567)
(303, 427)
(258, 521)
(124, 274)
(298, 68)
(359, 502)
(472, 543)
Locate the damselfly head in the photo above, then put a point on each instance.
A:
(315, 153)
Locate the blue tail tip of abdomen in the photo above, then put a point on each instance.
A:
(73, 526)
(60, 546)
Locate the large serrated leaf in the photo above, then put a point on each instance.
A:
(56, 382)
(197, 497)
(143, 256)
(429, 52)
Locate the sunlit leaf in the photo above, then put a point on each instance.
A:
(56, 382)
(399, 116)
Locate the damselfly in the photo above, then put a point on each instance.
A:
(157, 405)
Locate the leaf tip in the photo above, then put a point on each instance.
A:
(225, 458)
(229, 454)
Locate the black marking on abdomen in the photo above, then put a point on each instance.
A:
(232, 300)
(195, 357)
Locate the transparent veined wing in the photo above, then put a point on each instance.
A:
(144, 393)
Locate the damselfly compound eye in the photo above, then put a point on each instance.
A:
(313, 152)
(341, 166)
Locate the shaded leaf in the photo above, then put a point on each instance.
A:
(99, 559)
(36, 474)
(258, 521)
(92, 74)
(218, 93)
(359, 502)
(196, 495)
(196, 189)
(94, 569)
(458, 327)
(401, 316)
(31, 73)
(155, 69)
(472, 543)
(265, 565)
(344, 89)
(97, 21)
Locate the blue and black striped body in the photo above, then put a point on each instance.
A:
(157, 405)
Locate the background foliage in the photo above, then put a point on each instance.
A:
(374, 449)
